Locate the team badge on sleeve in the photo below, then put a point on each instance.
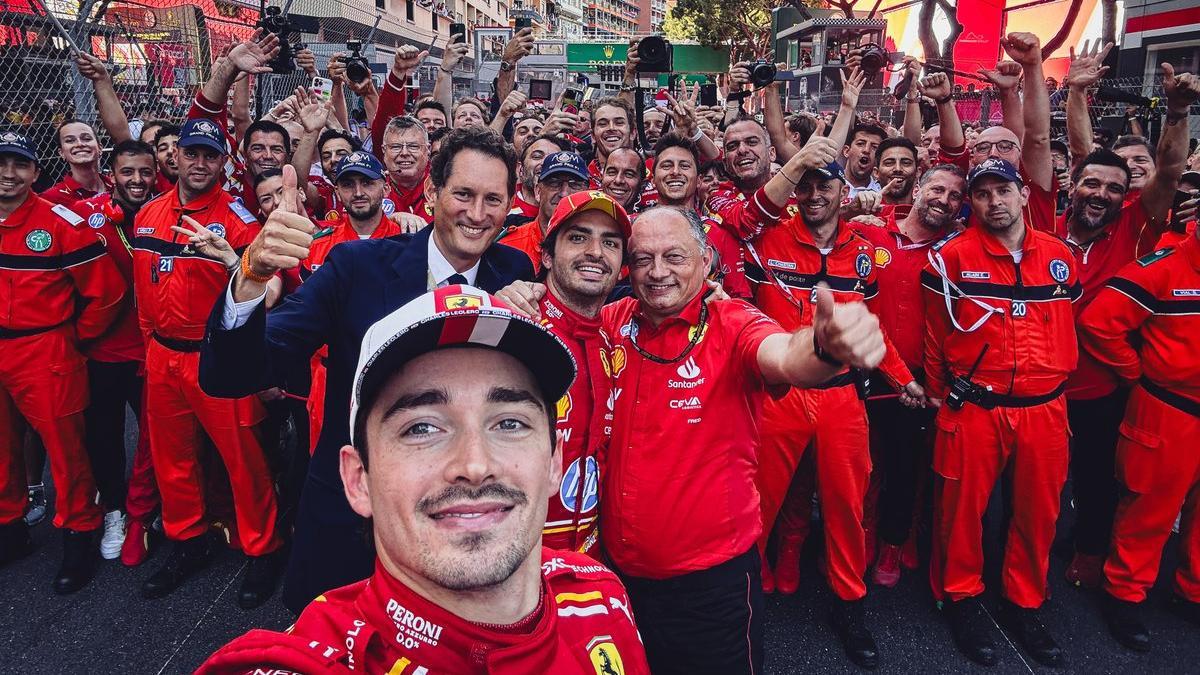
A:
(38, 241)
(1059, 270)
(388, 207)
(606, 659)
(862, 265)
(216, 228)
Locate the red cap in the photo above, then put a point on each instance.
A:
(588, 200)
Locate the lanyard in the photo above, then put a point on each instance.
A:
(697, 334)
(939, 266)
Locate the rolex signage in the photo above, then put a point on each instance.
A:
(586, 56)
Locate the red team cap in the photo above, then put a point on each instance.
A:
(586, 201)
(456, 316)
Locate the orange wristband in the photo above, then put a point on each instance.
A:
(249, 274)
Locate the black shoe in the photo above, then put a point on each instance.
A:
(14, 541)
(849, 624)
(186, 558)
(258, 583)
(972, 630)
(1185, 609)
(1031, 633)
(80, 553)
(1124, 621)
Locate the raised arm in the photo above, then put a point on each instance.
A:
(443, 90)
(912, 102)
(937, 87)
(847, 334)
(1085, 71)
(629, 81)
(512, 103)
(1026, 49)
(773, 120)
(252, 56)
(1182, 91)
(851, 89)
(313, 115)
(112, 114)
(393, 98)
(1006, 77)
(517, 48)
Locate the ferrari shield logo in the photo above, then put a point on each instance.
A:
(463, 301)
(606, 659)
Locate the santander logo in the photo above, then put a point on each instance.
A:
(689, 370)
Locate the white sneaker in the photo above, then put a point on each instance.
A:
(114, 535)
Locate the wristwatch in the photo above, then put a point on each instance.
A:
(506, 66)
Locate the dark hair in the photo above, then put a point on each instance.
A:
(331, 134)
(430, 104)
(872, 129)
(268, 127)
(269, 173)
(562, 143)
(438, 134)
(479, 139)
(675, 139)
(150, 124)
(897, 142)
(1102, 157)
(637, 191)
(1129, 140)
(804, 125)
(165, 130)
(132, 148)
(70, 120)
(932, 171)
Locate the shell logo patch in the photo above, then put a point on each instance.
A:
(613, 363)
(563, 407)
(883, 257)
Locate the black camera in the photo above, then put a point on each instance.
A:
(874, 58)
(357, 69)
(762, 72)
(655, 55)
(287, 27)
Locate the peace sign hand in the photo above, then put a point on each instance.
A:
(206, 242)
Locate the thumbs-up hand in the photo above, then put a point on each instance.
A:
(848, 332)
(286, 237)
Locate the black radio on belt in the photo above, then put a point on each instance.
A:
(963, 390)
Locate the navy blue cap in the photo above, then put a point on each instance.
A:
(359, 162)
(564, 162)
(994, 166)
(202, 132)
(12, 143)
(831, 170)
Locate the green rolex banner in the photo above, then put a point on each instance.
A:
(585, 56)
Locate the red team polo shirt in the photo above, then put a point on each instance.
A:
(123, 341)
(678, 492)
(68, 191)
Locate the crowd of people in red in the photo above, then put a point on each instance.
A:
(607, 373)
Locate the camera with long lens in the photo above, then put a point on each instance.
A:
(288, 27)
(762, 73)
(655, 55)
(874, 59)
(357, 69)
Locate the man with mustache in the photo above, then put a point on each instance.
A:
(453, 473)
(900, 426)
(999, 345)
(1118, 210)
(175, 283)
(116, 365)
(583, 253)
(896, 172)
(785, 264)
(563, 173)
(471, 182)
(525, 206)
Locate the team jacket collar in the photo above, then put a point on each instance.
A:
(201, 203)
(398, 613)
(994, 247)
(409, 196)
(1063, 230)
(688, 316)
(570, 322)
(17, 217)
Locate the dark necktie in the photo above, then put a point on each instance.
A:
(457, 279)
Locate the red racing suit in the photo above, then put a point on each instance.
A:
(571, 520)
(68, 191)
(527, 238)
(785, 266)
(123, 342)
(59, 289)
(1156, 299)
(977, 295)
(582, 626)
(343, 231)
(176, 289)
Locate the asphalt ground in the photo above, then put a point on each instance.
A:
(108, 628)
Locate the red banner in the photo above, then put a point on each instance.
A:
(979, 45)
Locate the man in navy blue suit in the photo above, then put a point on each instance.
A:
(471, 185)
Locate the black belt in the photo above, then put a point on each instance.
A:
(178, 345)
(988, 400)
(9, 333)
(837, 381)
(1172, 399)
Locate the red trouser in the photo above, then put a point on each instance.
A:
(316, 400)
(43, 379)
(972, 448)
(141, 497)
(179, 411)
(1159, 466)
(835, 422)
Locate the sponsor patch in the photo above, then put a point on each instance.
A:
(883, 257)
(862, 265)
(568, 489)
(1059, 270)
(388, 207)
(96, 221)
(1154, 257)
(242, 212)
(781, 264)
(67, 214)
(145, 230)
(216, 228)
(968, 274)
(1186, 292)
(38, 241)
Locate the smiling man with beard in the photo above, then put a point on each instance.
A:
(471, 182)
(896, 171)
(166, 141)
(900, 253)
(453, 472)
